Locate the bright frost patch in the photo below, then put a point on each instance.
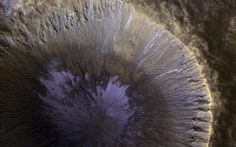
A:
(166, 103)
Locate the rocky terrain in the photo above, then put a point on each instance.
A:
(207, 28)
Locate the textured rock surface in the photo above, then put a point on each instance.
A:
(206, 28)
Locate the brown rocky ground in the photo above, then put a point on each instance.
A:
(208, 29)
